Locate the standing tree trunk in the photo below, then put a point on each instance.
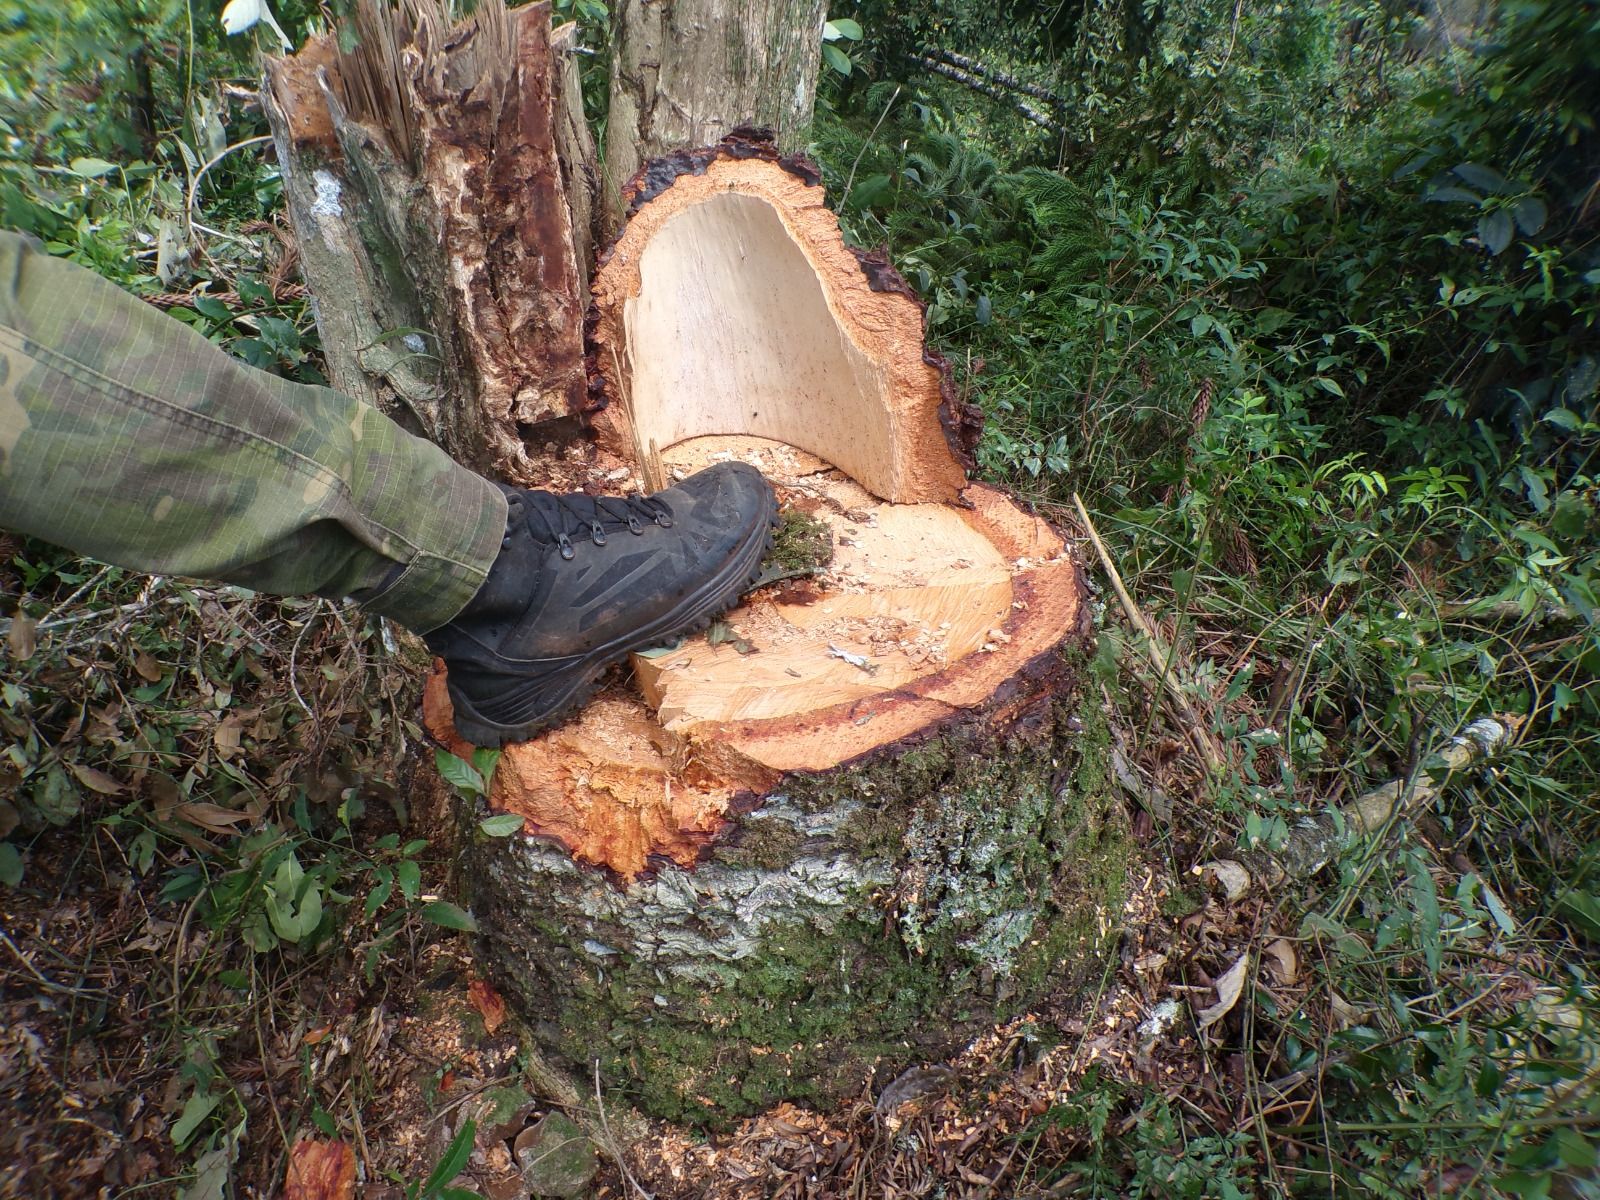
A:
(422, 177)
(688, 72)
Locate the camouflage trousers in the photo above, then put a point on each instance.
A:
(127, 437)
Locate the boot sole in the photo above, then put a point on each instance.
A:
(695, 613)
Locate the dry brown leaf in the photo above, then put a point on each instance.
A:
(9, 817)
(95, 781)
(487, 1001)
(165, 791)
(320, 1170)
(23, 638)
(210, 816)
(1282, 961)
(147, 667)
(1342, 1014)
(225, 737)
(1229, 988)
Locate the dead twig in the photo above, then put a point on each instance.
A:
(1160, 657)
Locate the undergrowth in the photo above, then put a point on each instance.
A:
(1300, 299)
(1305, 311)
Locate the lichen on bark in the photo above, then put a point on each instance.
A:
(853, 923)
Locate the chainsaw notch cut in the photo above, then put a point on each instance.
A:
(731, 321)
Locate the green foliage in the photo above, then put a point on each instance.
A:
(1304, 306)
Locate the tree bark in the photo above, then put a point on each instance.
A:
(422, 179)
(865, 822)
(689, 72)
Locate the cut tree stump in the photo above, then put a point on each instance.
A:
(865, 817)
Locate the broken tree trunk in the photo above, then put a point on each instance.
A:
(690, 72)
(422, 178)
(862, 819)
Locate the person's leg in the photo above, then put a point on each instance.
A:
(126, 436)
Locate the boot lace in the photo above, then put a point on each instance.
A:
(557, 519)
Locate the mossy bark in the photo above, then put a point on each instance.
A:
(855, 922)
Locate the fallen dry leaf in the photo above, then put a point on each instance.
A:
(95, 781)
(320, 1170)
(1282, 961)
(487, 1001)
(1228, 875)
(147, 667)
(23, 638)
(210, 816)
(1229, 988)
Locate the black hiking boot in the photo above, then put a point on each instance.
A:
(583, 581)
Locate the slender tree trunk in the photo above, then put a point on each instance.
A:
(688, 72)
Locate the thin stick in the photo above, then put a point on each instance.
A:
(1159, 656)
(611, 1139)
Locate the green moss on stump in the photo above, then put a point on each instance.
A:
(981, 873)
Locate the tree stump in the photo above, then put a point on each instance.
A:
(863, 818)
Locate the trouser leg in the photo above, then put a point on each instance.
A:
(127, 437)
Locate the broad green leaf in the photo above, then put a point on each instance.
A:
(210, 306)
(410, 877)
(1531, 214)
(486, 761)
(837, 59)
(10, 865)
(500, 825)
(1495, 230)
(458, 772)
(841, 27)
(91, 168)
(1484, 178)
(451, 916)
(196, 1109)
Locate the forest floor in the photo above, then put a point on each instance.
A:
(103, 983)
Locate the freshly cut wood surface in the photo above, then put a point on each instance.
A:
(911, 588)
(731, 305)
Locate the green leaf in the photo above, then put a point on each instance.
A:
(486, 761)
(454, 1159)
(1495, 230)
(1485, 179)
(91, 168)
(1582, 909)
(1425, 902)
(451, 916)
(500, 825)
(379, 895)
(459, 773)
(10, 865)
(410, 877)
(210, 306)
(1531, 213)
(842, 27)
(837, 59)
(56, 797)
(198, 1107)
